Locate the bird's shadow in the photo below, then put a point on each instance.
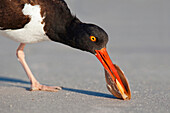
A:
(14, 80)
(86, 92)
(91, 93)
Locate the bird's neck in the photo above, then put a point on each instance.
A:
(69, 37)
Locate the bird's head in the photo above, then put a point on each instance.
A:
(92, 38)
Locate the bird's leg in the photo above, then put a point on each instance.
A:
(35, 85)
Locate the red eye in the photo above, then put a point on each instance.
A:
(93, 38)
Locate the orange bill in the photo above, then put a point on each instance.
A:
(117, 83)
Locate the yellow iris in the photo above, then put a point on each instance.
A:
(93, 38)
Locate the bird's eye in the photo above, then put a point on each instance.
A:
(93, 38)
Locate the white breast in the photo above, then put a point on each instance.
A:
(33, 31)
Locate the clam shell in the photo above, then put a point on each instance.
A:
(112, 86)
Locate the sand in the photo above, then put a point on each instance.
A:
(139, 40)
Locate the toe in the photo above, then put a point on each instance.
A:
(51, 88)
(45, 88)
(57, 87)
(34, 89)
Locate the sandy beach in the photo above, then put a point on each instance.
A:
(139, 43)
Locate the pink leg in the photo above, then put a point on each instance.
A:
(35, 85)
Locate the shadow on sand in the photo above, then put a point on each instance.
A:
(13, 80)
(86, 92)
(91, 93)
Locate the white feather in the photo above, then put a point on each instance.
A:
(33, 31)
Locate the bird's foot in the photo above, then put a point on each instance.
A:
(39, 87)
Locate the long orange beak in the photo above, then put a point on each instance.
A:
(116, 81)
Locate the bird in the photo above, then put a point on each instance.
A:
(33, 21)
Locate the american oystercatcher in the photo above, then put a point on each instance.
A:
(32, 21)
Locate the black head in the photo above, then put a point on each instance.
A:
(92, 37)
(87, 37)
